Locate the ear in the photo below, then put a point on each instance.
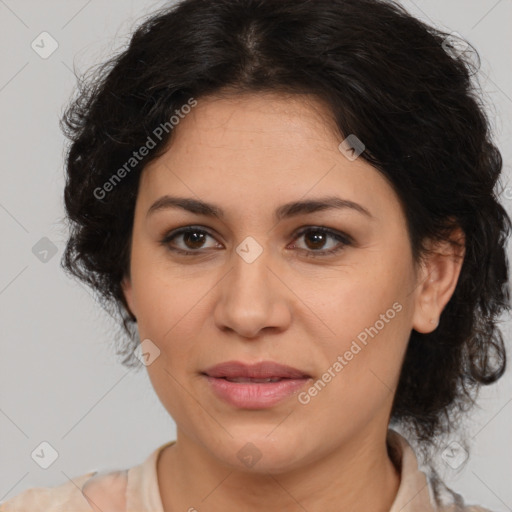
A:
(437, 279)
(126, 285)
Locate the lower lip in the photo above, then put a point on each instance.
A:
(248, 395)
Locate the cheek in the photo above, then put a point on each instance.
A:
(170, 315)
(364, 295)
(362, 362)
(368, 315)
(167, 319)
(162, 296)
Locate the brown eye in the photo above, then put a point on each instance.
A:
(193, 240)
(316, 238)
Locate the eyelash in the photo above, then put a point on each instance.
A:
(344, 240)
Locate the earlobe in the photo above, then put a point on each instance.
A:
(437, 281)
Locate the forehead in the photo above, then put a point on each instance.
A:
(267, 119)
(262, 148)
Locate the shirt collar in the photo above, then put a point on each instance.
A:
(415, 492)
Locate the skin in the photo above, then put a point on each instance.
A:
(249, 154)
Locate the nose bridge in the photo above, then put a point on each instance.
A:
(251, 296)
(250, 275)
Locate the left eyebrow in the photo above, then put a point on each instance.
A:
(285, 211)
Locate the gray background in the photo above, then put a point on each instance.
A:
(59, 379)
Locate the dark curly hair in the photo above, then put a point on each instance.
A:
(403, 87)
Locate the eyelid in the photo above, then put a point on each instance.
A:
(329, 231)
(343, 238)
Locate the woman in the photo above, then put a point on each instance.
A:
(292, 205)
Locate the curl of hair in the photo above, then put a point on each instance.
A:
(387, 78)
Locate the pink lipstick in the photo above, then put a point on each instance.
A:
(254, 386)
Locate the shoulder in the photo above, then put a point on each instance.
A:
(51, 499)
(92, 492)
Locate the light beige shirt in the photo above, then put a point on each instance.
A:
(136, 489)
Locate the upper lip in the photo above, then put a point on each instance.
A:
(261, 370)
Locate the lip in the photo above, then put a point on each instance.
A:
(254, 395)
(261, 370)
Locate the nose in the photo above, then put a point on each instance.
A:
(253, 297)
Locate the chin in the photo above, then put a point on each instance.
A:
(261, 450)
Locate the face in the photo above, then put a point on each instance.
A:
(331, 292)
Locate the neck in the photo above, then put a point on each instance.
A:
(358, 477)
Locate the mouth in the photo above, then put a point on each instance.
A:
(266, 371)
(258, 386)
(253, 380)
